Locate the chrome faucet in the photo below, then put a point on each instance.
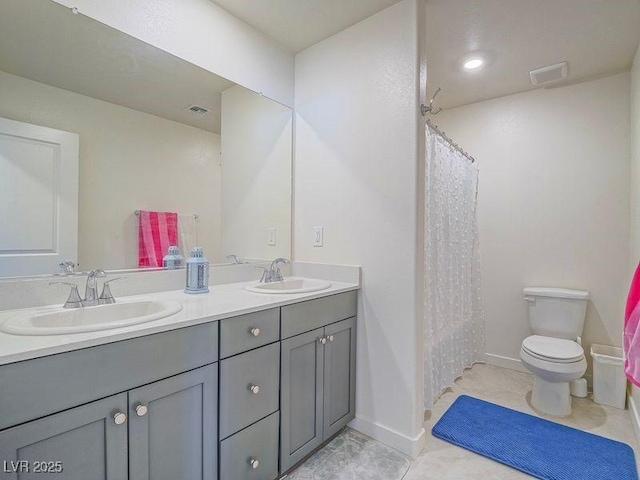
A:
(67, 267)
(91, 291)
(235, 259)
(273, 273)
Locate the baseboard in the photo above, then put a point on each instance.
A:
(407, 445)
(634, 413)
(505, 362)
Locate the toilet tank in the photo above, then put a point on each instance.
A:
(556, 312)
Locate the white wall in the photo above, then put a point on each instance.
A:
(204, 34)
(553, 203)
(128, 160)
(635, 205)
(355, 174)
(256, 172)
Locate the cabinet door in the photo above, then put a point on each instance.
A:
(339, 376)
(173, 427)
(86, 441)
(300, 397)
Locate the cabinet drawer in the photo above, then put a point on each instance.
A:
(239, 405)
(246, 332)
(305, 316)
(258, 442)
(39, 387)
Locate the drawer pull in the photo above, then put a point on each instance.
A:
(119, 418)
(141, 410)
(254, 463)
(255, 389)
(323, 340)
(330, 338)
(255, 331)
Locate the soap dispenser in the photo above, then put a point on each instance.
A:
(197, 272)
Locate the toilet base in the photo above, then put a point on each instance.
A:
(551, 398)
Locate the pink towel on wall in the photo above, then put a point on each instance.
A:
(157, 231)
(631, 334)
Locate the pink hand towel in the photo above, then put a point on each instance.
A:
(157, 231)
(631, 334)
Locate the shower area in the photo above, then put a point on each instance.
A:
(453, 313)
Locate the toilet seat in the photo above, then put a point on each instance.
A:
(557, 350)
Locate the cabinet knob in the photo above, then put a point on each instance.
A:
(255, 331)
(322, 340)
(255, 389)
(141, 410)
(119, 418)
(330, 338)
(254, 463)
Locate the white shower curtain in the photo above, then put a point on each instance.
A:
(453, 314)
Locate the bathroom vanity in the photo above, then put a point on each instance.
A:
(227, 396)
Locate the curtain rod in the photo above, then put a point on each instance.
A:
(449, 141)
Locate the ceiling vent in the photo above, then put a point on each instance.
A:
(550, 74)
(195, 109)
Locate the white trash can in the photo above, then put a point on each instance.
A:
(609, 380)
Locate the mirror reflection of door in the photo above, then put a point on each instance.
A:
(38, 198)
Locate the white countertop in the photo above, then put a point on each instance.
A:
(221, 302)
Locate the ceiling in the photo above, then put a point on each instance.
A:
(45, 42)
(298, 24)
(595, 37)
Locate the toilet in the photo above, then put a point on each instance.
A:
(554, 353)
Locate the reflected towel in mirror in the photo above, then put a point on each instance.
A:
(157, 231)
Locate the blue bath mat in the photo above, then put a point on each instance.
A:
(541, 448)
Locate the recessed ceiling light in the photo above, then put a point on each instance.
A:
(473, 63)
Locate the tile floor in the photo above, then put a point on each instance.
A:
(354, 456)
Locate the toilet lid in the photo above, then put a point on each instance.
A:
(553, 349)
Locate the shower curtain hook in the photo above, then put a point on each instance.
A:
(424, 109)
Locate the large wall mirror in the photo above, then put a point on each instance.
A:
(164, 151)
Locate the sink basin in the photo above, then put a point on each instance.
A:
(290, 285)
(62, 321)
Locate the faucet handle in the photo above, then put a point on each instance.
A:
(235, 259)
(74, 300)
(266, 275)
(67, 267)
(106, 297)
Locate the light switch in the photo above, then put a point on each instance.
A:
(271, 237)
(318, 236)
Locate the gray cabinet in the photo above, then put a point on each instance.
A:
(173, 427)
(339, 376)
(317, 389)
(301, 387)
(43, 386)
(87, 441)
(287, 385)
